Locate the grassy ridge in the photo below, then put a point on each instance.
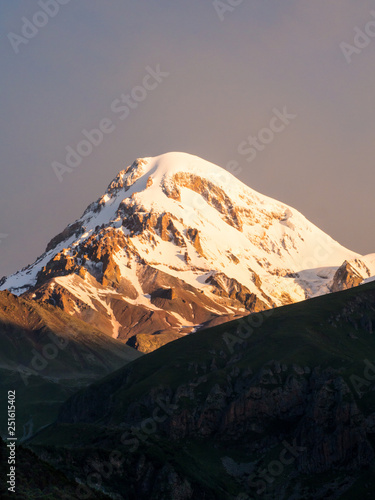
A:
(46, 355)
(334, 331)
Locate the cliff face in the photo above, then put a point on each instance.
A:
(310, 414)
(314, 408)
(349, 274)
(278, 405)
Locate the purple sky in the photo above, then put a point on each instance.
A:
(225, 77)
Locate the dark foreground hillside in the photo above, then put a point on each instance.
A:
(46, 356)
(35, 479)
(277, 406)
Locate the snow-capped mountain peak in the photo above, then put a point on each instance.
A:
(176, 242)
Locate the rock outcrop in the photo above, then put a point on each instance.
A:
(222, 248)
(345, 277)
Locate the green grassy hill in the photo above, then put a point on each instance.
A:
(277, 405)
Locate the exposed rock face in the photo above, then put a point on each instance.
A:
(163, 293)
(231, 288)
(190, 226)
(193, 235)
(128, 176)
(312, 412)
(168, 230)
(283, 410)
(141, 326)
(317, 408)
(347, 276)
(215, 196)
(60, 265)
(334, 432)
(73, 229)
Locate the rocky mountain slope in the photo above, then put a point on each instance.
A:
(278, 405)
(177, 244)
(46, 355)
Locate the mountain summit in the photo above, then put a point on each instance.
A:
(177, 243)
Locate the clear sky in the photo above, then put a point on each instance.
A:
(228, 69)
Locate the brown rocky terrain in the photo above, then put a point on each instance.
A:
(347, 276)
(177, 244)
(46, 355)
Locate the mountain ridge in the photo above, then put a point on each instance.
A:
(46, 355)
(199, 419)
(177, 243)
